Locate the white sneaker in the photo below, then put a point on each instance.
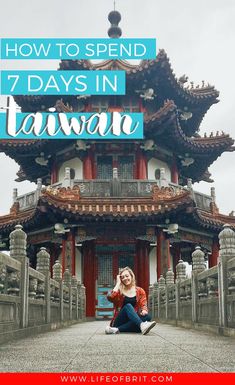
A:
(146, 326)
(111, 330)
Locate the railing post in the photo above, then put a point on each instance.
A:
(161, 288)
(155, 291)
(180, 276)
(169, 282)
(227, 251)
(198, 259)
(43, 266)
(67, 282)
(67, 179)
(18, 240)
(74, 284)
(57, 275)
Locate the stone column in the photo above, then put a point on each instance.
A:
(199, 265)
(43, 266)
(169, 282)
(57, 275)
(162, 181)
(14, 195)
(227, 251)
(67, 180)
(67, 282)
(180, 271)
(74, 284)
(161, 289)
(39, 187)
(180, 276)
(18, 240)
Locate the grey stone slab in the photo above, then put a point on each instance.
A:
(86, 348)
(126, 363)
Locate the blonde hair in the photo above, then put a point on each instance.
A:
(131, 274)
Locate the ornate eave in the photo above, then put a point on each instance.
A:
(67, 202)
(59, 203)
(156, 74)
(147, 68)
(164, 127)
(213, 221)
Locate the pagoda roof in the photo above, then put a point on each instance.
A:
(156, 74)
(161, 65)
(62, 203)
(164, 127)
(69, 202)
(215, 221)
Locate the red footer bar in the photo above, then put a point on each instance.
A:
(117, 378)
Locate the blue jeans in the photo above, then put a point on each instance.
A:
(128, 320)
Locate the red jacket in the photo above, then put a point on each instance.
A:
(117, 299)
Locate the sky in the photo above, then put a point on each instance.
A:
(198, 36)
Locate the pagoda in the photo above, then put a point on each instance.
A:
(102, 205)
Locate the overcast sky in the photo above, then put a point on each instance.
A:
(198, 36)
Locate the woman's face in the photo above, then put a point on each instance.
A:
(126, 278)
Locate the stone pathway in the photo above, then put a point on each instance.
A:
(85, 348)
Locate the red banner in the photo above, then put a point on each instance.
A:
(117, 378)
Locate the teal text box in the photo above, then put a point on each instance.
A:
(63, 83)
(76, 49)
(103, 126)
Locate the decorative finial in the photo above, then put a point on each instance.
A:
(114, 18)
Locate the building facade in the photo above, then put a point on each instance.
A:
(102, 205)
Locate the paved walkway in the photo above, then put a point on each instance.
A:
(85, 348)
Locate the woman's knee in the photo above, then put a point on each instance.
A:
(128, 306)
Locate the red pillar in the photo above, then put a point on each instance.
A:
(115, 265)
(174, 173)
(63, 255)
(176, 256)
(160, 237)
(73, 254)
(142, 166)
(88, 166)
(89, 278)
(138, 263)
(146, 267)
(168, 253)
(213, 260)
(142, 265)
(54, 173)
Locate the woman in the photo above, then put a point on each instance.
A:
(130, 306)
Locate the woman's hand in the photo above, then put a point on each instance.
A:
(118, 283)
(118, 280)
(143, 312)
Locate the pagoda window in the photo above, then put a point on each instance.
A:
(106, 164)
(104, 167)
(131, 104)
(99, 104)
(157, 173)
(72, 173)
(125, 167)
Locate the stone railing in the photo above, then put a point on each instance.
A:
(111, 188)
(30, 300)
(207, 299)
